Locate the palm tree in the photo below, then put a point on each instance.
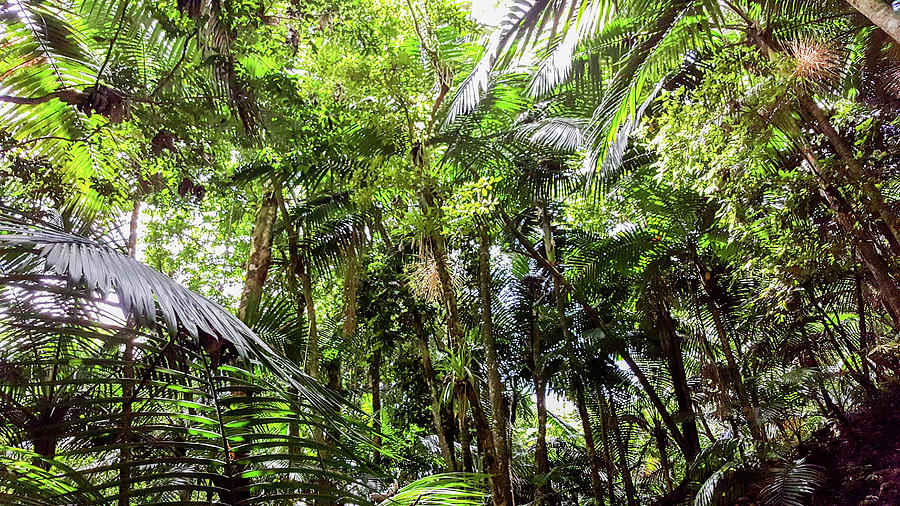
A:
(214, 409)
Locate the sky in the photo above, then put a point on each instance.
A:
(489, 12)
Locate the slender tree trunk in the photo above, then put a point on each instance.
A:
(430, 379)
(654, 398)
(630, 494)
(312, 341)
(259, 259)
(439, 252)
(862, 241)
(502, 495)
(133, 228)
(861, 313)
(593, 459)
(597, 322)
(607, 452)
(853, 173)
(424, 356)
(486, 442)
(578, 386)
(709, 285)
(375, 377)
(542, 463)
(880, 14)
(706, 429)
(661, 443)
(465, 438)
(128, 375)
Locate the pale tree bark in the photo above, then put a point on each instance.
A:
(880, 14)
(424, 353)
(128, 374)
(502, 490)
(259, 259)
(578, 386)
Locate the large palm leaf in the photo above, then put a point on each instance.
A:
(32, 247)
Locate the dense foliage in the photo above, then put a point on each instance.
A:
(394, 252)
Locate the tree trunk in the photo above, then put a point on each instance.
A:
(872, 198)
(487, 444)
(630, 493)
(578, 386)
(439, 252)
(128, 376)
(541, 461)
(880, 14)
(430, 379)
(465, 438)
(375, 377)
(671, 347)
(589, 444)
(133, 228)
(709, 285)
(607, 452)
(861, 240)
(594, 319)
(861, 314)
(424, 356)
(661, 443)
(502, 495)
(259, 259)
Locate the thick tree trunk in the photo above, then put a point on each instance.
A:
(502, 495)
(671, 347)
(880, 14)
(259, 259)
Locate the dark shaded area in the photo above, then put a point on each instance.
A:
(862, 467)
